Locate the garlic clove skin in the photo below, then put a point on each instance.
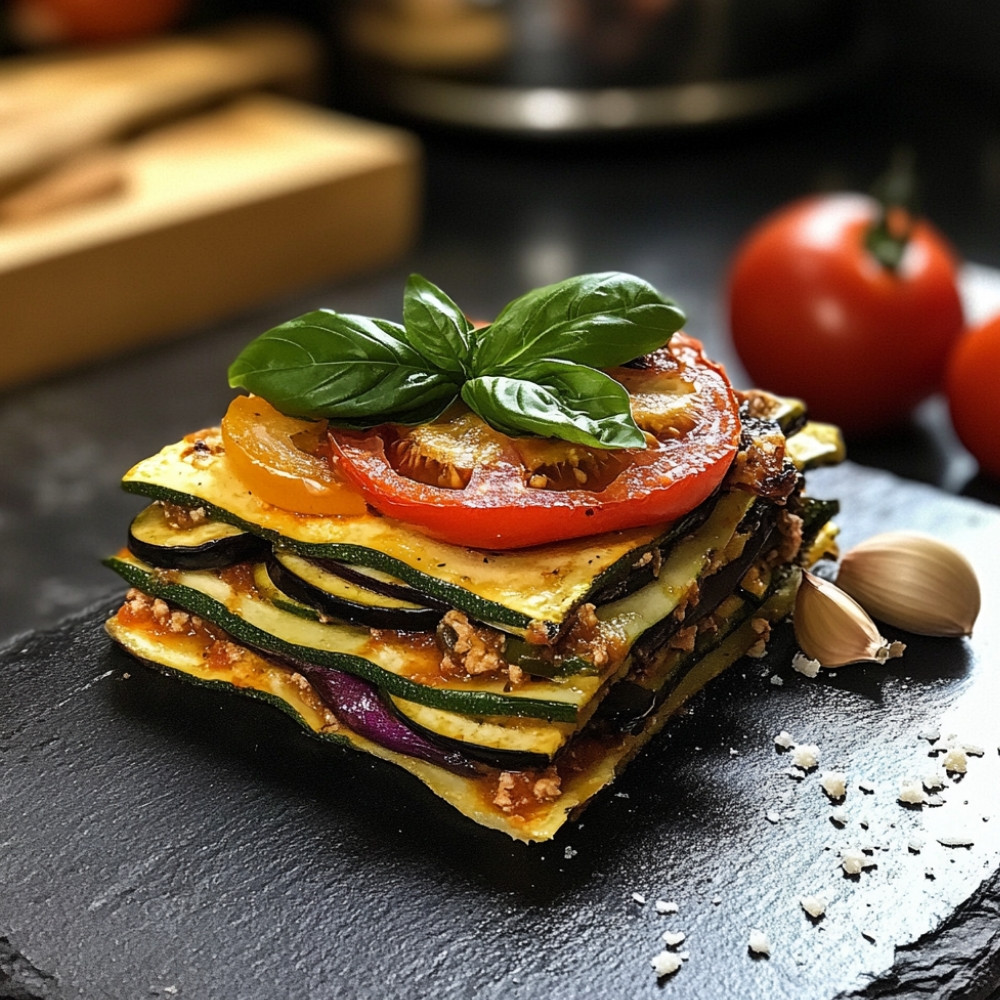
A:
(914, 582)
(832, 628)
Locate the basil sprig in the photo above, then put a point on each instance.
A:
(534, 370)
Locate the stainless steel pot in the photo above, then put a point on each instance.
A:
(572, 66)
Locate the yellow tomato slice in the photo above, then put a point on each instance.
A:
(276, 457)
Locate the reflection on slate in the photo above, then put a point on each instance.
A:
(161, 839)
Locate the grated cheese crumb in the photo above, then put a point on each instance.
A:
(956, 839)
(840, 816)
(666, 963)
(804, 665)
(784, 740)
(639, 898)
(867, 787)
(834, 783)
(854, 861)
(777, 680)
(662, 906)
(773, 817)
(805, 755)
(935, 780)
(815, 906)
(673, 938)
(759, 943)
(955, 761)
(911, 792)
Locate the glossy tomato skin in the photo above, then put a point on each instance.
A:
(498, 509)
(93, 22)
(813, 314)
(973, 388)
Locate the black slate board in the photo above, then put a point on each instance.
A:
(158, 840)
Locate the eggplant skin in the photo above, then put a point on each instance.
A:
(415, 619)
(209, 546)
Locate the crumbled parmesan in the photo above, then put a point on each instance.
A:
(759, 943)
(639, 898)
(854, 861)
(663, 906)
(956, 760)
(840, 817)
(815, 906)
(773, 816)
(784, 740)
(666, 963)
(834, 783)
(956, 839)
(673, 938)
(934, 781)
(805, 755)
(804, 665)
(911, 792)
(777, 680)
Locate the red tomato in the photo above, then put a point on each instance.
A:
(46, 22)
(973, 387)
(462, 482)
(814, 314)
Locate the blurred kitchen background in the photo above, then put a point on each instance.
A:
(176, 177)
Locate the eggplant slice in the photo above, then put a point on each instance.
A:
(310, 583)
(204, 543)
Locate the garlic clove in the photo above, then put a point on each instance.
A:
(914, 582)
(832, 628)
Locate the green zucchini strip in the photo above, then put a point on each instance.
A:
(339, 647)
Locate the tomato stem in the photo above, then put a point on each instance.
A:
(889, 236)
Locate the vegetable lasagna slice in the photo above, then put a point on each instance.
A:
(515, 679)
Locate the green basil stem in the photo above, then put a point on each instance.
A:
(888, 237)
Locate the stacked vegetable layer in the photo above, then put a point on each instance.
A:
(514, 683)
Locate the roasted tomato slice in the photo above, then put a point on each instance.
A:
(285, 461)
(460, 481)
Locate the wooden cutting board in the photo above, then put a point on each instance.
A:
(216, 213)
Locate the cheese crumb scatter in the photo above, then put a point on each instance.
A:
(867, 787)
(931, 734)
(911, 792)
(570, 852)
(956, 839)
(759, 943)
(854, 861)
(973, 750)
(915, 844)
(716, 900)
(805, 755)
(804, 665)
(666, 963)
(639, 898)
(840, 816)
(773, 817)
(673, 938)
(815, 906)
(955, 761)
(663, 906)
(777, 680)
(935, 780)
(834, 783)
(784, 740)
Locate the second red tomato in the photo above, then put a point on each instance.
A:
(814, 314)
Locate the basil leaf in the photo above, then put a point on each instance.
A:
(599, 320)
(350, 369)
(557, 399)
(435, 326)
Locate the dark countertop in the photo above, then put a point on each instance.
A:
(503, 216)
